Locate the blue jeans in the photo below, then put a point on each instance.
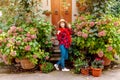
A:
(64, 56)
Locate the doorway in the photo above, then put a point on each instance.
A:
(61, 9)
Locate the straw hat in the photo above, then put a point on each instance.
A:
(62, 20)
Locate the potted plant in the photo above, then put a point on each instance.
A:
(97, 65)
(47, 12)
(21, 43)
(85, 68)
(77, 65)
(46, 67)
(77, 3)
(81, 65)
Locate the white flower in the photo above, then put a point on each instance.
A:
(0, 13)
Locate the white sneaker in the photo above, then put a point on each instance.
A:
(56, 66)
(65, 69)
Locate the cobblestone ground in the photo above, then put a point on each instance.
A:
(58, 75)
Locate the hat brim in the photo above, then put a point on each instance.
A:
(61, 20)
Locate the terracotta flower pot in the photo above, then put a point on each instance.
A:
(96, 72)
(106, 61)
(40, 66)
(47, 13)
(82, 8)
(17, 60)
(26, 64)
(85, 71)
(77, 4)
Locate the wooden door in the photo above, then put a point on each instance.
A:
(61, 9)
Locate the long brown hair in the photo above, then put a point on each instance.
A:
(66, 25)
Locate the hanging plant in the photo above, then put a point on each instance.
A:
(47, 12)
(77, 3)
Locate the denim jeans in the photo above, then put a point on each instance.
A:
(64, 56)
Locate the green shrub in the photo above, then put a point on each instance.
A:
(47, 67)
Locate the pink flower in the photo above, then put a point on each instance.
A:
(82, 18)
(0, 31)
(78, 26)
(27, 48)
(9, 32)
(13, 40)
(13, 28)
(18, 43)
(92, 24)
(28, 35)
(8, 45)
(83, 24)
(100, 54)
(84, 35)
(102, 33)
(116, 23)
(79, 33)
(47, 57)
(35, 56)
(13, 53)
(15, 34)
(25, 40)
(110, 48)
(29, 39)
(33, 36)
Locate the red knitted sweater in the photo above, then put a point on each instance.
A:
(64, 37)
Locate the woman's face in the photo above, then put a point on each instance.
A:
(62, 24)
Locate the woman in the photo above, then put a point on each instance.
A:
(64, 38)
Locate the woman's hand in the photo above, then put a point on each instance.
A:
(69, 26)
(58, 32)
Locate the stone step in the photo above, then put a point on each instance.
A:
(56, 47)
(55, 55)
(54, 59)
(57, 51)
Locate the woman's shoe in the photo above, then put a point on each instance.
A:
(65, 69)
(56, 66)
